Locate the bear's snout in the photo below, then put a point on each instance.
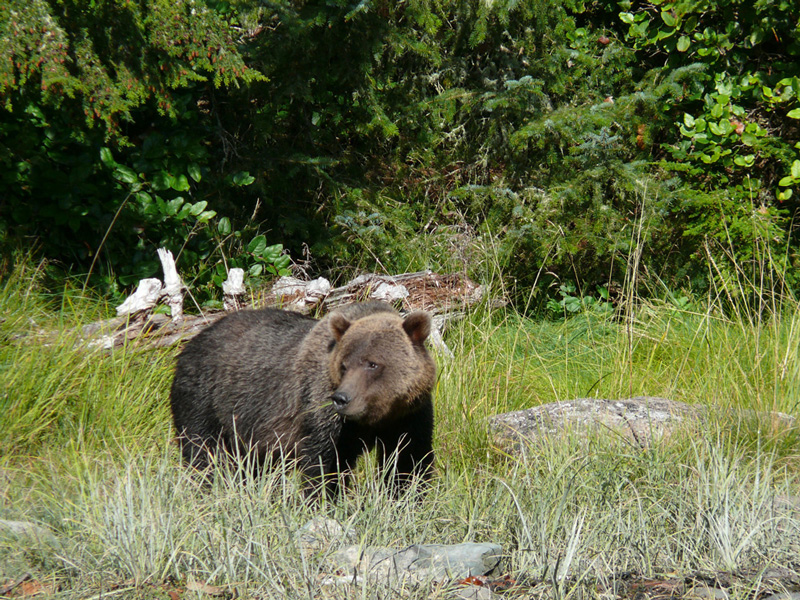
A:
(340, 400)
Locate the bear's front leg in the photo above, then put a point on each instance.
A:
(405, 451)
(326, 467)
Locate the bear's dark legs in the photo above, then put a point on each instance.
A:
(408, 451)
(195, 422)
(327, 473)
(197, 449)
(404, 460)
(328, 482)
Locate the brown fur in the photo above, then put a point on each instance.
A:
(322, 392)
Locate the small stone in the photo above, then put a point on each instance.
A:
(321, 534)
(419, 562)
(474, 592)
(707, 593)
(30, 531)
(787, 502)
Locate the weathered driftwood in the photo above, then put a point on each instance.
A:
(423, 290)
(445, 296)
(174, 289)
(143, 299)
(442, 295)
(150, 291)
(297, 294)
(153, 331)
(233, 290)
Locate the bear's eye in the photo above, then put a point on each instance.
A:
(371, 365)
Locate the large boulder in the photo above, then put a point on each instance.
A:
(638, 420)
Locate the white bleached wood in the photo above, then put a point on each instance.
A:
(233, 290)
(174, 289)
(143, 299)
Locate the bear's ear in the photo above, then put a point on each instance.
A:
(418, 326)
(339, 324)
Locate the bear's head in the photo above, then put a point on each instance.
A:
(379, 367)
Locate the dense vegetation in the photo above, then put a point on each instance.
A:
(552, 137)
(579, 155)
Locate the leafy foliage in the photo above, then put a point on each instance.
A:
(736, 117)
(560, 137)
(105, 153)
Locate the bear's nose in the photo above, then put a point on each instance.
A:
(340, 400)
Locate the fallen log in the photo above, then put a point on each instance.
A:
(422, 290)
(446, 297)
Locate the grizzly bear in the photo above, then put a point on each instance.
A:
(322, 392)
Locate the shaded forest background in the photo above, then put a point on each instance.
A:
(554, 141)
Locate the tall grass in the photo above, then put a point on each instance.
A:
(699, 357)
(55, 389)
(86, 450)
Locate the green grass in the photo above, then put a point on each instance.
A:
(689, 356)
(86, 450)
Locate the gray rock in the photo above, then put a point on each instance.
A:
(418, 563)
(788, 503)
(474, 592)
(321, 535)
(637, 420)
(784, 596)
(705, 592)
(28, 531)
